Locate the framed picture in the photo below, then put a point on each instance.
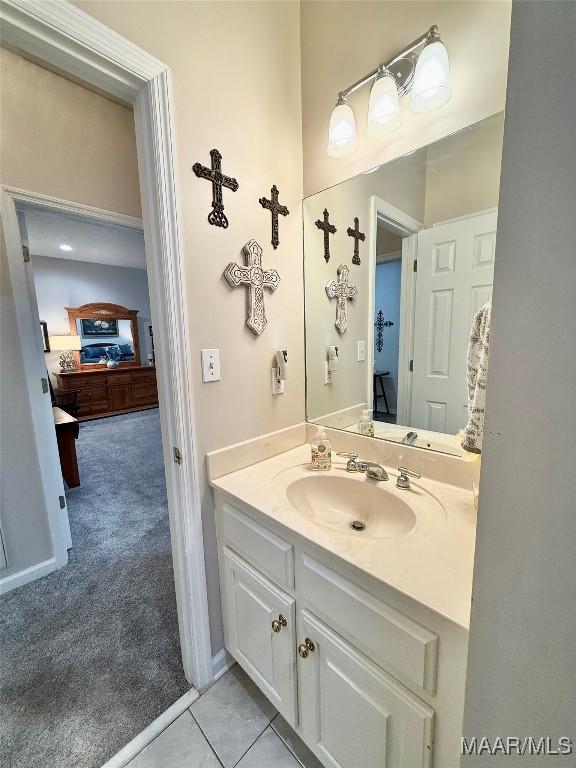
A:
(45, 339)
(95, 327)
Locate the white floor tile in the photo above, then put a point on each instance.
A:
(232, 714)
(181, 745)
(269, 751)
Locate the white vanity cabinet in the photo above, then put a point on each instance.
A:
(357, 674)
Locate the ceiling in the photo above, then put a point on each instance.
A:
(91, 241)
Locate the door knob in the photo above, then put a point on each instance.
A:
(306, 648)
(278, 623)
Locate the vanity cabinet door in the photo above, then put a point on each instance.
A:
(352, 713)
(260, 631)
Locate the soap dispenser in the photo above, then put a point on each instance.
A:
(321, 451)
(366, 424)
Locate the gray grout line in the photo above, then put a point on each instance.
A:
(254, 742)
(288, 747)
(216, 755)
(155, 737)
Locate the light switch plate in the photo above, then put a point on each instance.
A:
(210, 365)
(361, 351)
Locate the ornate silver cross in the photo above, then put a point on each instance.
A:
(256, 279)
(342, 292)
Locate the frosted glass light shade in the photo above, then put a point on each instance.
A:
(342, 134)
(383, 107)
(431, 88)
(61, 343)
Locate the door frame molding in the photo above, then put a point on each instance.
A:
(68, 40)
(407, 227)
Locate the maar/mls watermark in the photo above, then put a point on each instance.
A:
(514, 745)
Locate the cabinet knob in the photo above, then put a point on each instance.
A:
(278, 623)
(306, 648)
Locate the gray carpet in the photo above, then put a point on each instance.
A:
(90, 654)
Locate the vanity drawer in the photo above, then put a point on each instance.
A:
(262, 548)
(384, 634)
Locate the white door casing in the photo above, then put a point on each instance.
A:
(454, 280)
(354, 713)
(406, 226)
(64, 37)
(251, 603)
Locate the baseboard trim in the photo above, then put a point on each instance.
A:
(221, 663)
(26, 575)
(138, 743)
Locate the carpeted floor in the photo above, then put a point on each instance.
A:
(90, 654)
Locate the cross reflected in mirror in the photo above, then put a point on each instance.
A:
(343, 293)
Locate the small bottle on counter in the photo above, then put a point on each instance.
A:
(321, 451)
(366, 424)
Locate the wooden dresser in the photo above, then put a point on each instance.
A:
(109, 391)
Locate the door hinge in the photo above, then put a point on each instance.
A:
(415, 265)
(177, 455)
(62, 501)
(411, 365)
(26, 253)
(45, 387)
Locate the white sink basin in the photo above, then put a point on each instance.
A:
(355, 505)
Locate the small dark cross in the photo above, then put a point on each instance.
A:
(329, 229)
(357, 235)
(275, 208)
(217, 217)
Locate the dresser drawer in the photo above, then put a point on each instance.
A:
(85, 382)
(263, 549)
(118, 378)
(98, 394)
(391, 639)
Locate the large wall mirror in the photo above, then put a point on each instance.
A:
(106, 331)
(397, 262)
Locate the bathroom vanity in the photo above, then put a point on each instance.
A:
(358, 637)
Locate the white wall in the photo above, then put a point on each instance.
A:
(23, 513)
(64, 283)
(61, 139)
(522, 659)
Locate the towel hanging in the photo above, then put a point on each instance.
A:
(476, 378)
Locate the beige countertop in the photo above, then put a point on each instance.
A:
(432, 563)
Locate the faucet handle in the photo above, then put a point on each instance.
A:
(351, 465)
(403, 480)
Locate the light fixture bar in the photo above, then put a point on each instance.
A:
(430, 33)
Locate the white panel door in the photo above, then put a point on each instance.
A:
(352, 713)
(251, 604)
(454, 280)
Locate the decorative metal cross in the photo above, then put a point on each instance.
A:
(380, 325)
(275, 208)
(357, 235)
(217, 217)
(342, 292)
(256, 279)
(329, 229)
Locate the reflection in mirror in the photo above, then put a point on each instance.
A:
(389, 315)
(100, 336)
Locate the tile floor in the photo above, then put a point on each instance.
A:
(231, 725)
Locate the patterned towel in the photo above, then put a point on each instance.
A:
(476, 375)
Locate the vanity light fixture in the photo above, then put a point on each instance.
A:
(425, 74)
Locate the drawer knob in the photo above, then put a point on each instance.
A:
(278, 623)
(306, 648)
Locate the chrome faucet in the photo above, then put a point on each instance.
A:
(373, 471)
(409, 438)
(403, 481)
